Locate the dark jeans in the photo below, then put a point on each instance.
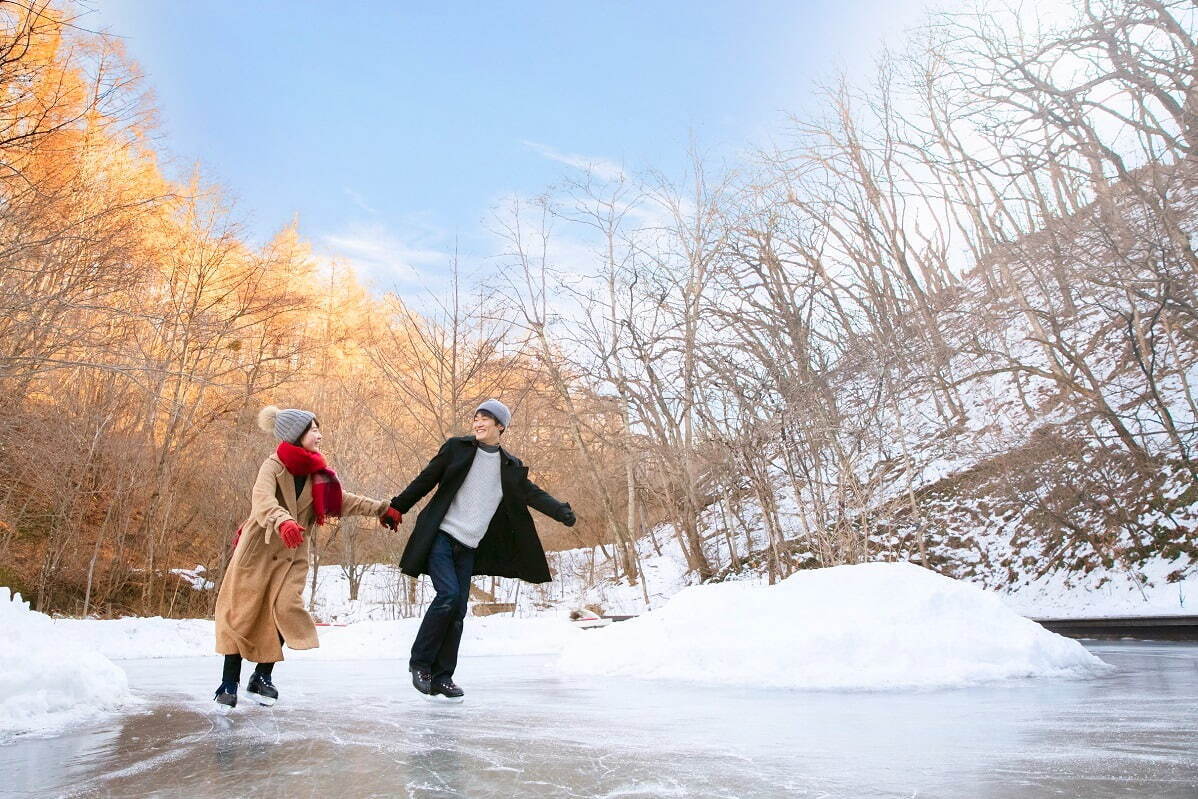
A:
(435, 649)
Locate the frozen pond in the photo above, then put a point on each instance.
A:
(357, 729)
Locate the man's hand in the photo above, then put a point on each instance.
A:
(291, 533)
(568, 517)
(391, 518)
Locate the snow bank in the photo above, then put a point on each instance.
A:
(47, 680)
(482, 636)
(153, 637)
(130, 638)
(872, 626)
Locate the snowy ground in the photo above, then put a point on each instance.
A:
(358, 729)
(875, 626)
(1098, 594)
(1105, 593)
(48, 680)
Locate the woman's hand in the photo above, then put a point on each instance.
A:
(291, 533)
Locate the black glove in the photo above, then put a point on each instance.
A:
(568, 517)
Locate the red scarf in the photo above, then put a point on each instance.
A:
(326, 488)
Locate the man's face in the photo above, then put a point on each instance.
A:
(485, 428)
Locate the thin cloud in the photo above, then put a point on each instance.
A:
(360, 201)
(383, 256)
(602, 168)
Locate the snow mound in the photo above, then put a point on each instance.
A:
(142, 637)
(872, 626)
(47, 680)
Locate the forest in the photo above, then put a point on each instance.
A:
(965, 288)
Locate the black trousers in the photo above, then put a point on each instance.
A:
(232, 670)
(450, 566)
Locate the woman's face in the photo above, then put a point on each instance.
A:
(311, 439)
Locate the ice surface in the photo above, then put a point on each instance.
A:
(357, 729)
(47, 680)
(870, 626)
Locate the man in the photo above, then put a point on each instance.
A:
(477, 523)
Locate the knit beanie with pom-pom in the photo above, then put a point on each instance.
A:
(287, 424)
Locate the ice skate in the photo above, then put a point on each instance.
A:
(422, 680)
(444, 689)
(226, 697)
(262, 690)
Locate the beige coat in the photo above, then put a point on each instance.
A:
(261, 597)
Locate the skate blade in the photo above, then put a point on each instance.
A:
(260, 699)
(223, 710)
(441, 699)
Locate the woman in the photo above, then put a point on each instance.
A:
(260, 605)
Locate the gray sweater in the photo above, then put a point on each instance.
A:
(470, 513)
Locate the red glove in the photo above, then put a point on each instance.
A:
(391, 518)
(291, 533)
(236, 537)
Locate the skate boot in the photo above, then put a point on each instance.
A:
(421, 679)
(262, 690)
(444, 686)
(226, 696)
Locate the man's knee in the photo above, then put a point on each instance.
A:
(446, 601)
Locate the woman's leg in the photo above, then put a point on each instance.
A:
(265, 669)
(232, 670)
(226, 693)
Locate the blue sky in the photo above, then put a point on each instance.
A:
(392, 129)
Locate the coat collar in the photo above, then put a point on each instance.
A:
(508, 458)
(286, 481)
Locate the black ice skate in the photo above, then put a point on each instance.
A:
(445, 687)
(226, 696)
(262, 690)
(422, 680)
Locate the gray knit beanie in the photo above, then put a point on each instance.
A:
(287, 424)
(498, 410)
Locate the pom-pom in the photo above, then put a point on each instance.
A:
(266, 418)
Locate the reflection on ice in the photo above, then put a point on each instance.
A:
(356, 728)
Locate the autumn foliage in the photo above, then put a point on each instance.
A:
(140, 332)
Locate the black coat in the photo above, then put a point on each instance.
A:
(510, 547)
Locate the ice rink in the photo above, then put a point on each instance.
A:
(357, 729)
